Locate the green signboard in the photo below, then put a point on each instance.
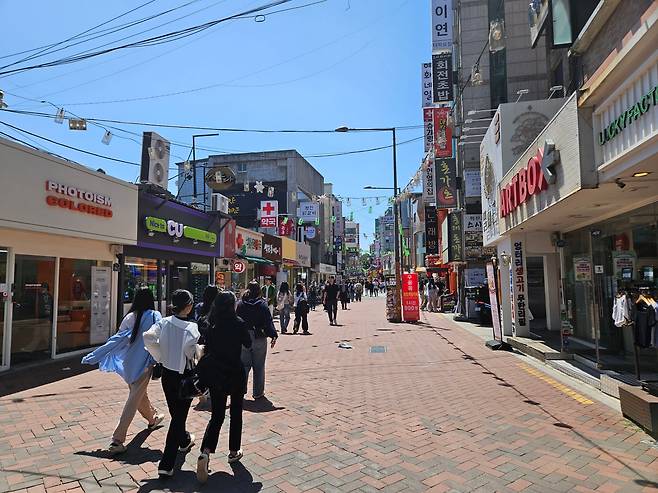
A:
(173, 228)
(619, 124)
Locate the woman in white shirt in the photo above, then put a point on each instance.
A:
(301, 309)
(173, 343)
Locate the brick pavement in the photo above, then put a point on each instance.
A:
(436, 412)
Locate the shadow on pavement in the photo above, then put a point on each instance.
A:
(29, 376)
(262, 405)
(134, 455)
(241, 481)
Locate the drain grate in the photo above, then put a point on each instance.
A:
(377, 349)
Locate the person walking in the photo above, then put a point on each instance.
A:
(441, 290)
(269, 294)
(202, 310)
(358, 291)
(375, 287)
(313, 296)
(301, 309)
(421, 291)
(173, 343)
(125, 355)
(433, 295)
(344, 296)
(254, 311)
(221, 370)
(284, 301)
(330, 300)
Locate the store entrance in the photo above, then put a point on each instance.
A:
(536, 293)
(33, 302)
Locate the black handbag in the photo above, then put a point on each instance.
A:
(191, 385)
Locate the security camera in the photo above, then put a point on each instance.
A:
(620, 183)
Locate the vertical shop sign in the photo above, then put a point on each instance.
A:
(442, 91)
(455, 233)
(101, 279)
(519, 291)
(493, 301)
(473, 236)
(426, 81)
(442, 20)
(431, 231)
(472, 184)
(446, 183)
(410, 300)
(428, 127)
(429, 183)
(442, 133)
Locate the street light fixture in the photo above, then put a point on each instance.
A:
(370, 187)
(396, 213)
(474, 112)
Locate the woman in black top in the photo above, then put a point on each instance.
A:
(222, 371)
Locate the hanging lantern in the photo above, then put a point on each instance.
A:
(351, 216)
(317, 221)
(333, 219)
(300, 221)
(348, 201)
(270, 192)
(363, 202)
(377, 201)
(246, 187)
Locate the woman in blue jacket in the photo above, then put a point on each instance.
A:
(124, 353)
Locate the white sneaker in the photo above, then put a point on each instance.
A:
(116, 448)
(165, 473)
(189, 446)
(157, 420)
(202, 468)
(235, 456)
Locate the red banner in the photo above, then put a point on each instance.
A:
(410, 300)
(442, 133)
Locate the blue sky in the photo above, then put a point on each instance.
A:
(340, 62)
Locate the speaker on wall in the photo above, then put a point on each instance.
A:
(155, 160)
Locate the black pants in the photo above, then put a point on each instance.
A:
(332, 309)
(218, 397)
(177, 436)
(300, 317)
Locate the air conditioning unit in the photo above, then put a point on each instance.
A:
(219, 203)
(155, 160)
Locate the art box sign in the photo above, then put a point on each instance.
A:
(446, 183)
(429, 183)
(442, 91)
(442, 20)
(426, 80)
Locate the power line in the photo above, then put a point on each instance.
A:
(153, 41)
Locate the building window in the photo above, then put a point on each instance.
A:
(242, 167)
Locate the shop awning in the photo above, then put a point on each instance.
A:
(256, 260)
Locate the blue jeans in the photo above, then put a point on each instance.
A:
(254, 357)
(284, 317)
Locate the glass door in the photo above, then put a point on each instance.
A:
(33, 309)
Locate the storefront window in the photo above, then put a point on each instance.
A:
(83, 309)
(3, 289)
(33, 308)
(140, 272)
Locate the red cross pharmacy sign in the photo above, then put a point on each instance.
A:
(269, 211)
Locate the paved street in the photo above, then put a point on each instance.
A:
(437, 411)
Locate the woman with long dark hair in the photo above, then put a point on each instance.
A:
(124, 353)
(221, 370)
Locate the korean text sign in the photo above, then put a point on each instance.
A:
(442, 20)
(442, 133)
(446, 183)
(410, 300)
(442, 77)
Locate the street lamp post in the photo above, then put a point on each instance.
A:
(194, 190)
(397, 314)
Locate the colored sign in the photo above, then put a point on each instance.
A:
(272, 248)
(269, 212)
(311, 232)
(442, 20)
(637, 110)
(429, 183)
(446, 183)
(527, 182)
(426, 89)
(179, 230)
(442, 133)
(582, 268)
(442, 90)
(248, 242)
(87, 202)
(519, 288)
(428, 126)
(239, 266)
(410, 300)
(220, 280)
(493, 301)
(431, 231)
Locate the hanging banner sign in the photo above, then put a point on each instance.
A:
(429, 183)
(428, 126)
(472, 183)
(442, 133)
(455, 234)
(426, 89)
(582, 268)
(446, 183)
(493, 301)
(442, 91)
(269, 212)
(519, 288)
(410, 300)
(442, 20)
(431, 231)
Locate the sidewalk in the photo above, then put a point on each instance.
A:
(410, 408)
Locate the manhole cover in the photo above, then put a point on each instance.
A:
(377, 349)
